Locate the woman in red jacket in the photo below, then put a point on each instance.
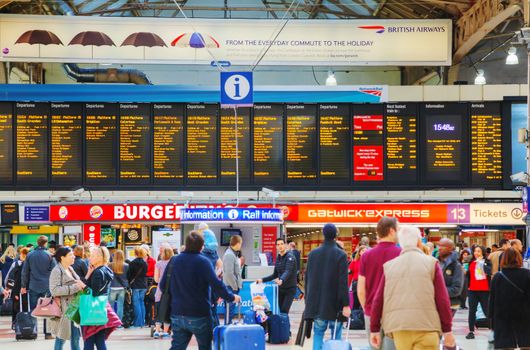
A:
(479, 275)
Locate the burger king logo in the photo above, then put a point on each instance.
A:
(96, 212)
(63, 212)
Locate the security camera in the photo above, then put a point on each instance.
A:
(79, 191)
(267, 190)
(187, 194)
(520, 177)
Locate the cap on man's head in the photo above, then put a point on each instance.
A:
(203, 226)
(329, 231)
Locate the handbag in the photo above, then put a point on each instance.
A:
(164, 308)
(72, 312)
(93, 310)
(48, 307)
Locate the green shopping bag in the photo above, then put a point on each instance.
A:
(93, 310)
(72, 312)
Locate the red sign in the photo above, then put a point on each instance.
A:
(268, 240)
(368, 148)
(92, 234)
(509, 235)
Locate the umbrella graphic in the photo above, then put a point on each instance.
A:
(144, 39)
(195, 40)
(39, 37)
(92, 39)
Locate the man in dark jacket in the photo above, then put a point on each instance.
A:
(80, 265)
(36, 272)
(326, 286)
(284, 275)
(452, 271)
(192, 277)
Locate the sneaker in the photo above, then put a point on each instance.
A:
(48, 337)
(156, 335)
(470, 335)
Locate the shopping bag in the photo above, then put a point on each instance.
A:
(259, 299)
(72, 312)
(93, 310)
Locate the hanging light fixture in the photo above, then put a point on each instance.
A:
(480, 79)
(331, 80)
(512, 58)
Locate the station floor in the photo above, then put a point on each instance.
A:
(138, 339)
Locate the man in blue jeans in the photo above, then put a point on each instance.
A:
(36, 272)
(192, 276)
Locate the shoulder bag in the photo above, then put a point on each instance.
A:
(164, 311)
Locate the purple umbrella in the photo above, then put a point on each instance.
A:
(39, 37)
(92, 38)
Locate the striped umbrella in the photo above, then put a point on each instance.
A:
(195, 40)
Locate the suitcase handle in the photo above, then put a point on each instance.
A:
(347, 329)
(22, 302)
(227, 316)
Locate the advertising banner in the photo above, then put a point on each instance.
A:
(92, 234)
(268, 241)
(229, 42)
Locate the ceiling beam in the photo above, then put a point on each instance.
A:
(379, 8)
(314, 11)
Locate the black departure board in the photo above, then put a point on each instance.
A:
(401, 144)
(66, 143)
(9, 214)
(168, 143)
(486, 144)
(6, 143)
(32, 143)
(301, 143)
(135, 143)
(444, 143)
(202, 143)
(227, 137)
(334, 144)
(268, 144)
(101, 143)
(368, 154)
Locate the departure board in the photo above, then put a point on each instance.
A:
(486, 144)
(66, 139)
(135, 142)
(32, 143)
(268, 144)
(302, 143)
(6, 143)
(101, 143)
(444, 143)
(334, 144)
(368, 143)
(168, 143)
(227, 134)
(202, 143)
(401, 125)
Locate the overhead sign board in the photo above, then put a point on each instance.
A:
(237, 89)
(36, 213)
(239, 42)
(270, 215)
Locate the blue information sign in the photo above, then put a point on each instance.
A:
(237, 89)
(38, 213)
(272, 215)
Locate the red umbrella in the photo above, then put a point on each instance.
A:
(145, 39)
(39, 37)
(92, 38)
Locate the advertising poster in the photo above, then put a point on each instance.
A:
(368, 148)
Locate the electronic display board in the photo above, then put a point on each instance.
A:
(135, 143)
(401, 143)
(334, 142)
(444, 143)
(202, 143)
(368, 154)
(6, 143)
(66, 143)
(32, 143)
(9, 214)
(268, 144)
(101, 143)
(168, 143)
(486, 144)
(227, 137)
(301, 144)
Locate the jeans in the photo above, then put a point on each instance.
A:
(474, 299)
(231, 306)
(98, 340)
(285, 299)
(320, 326)
(117, 296)
(138, 296)
(33, 300)
(74, 339)
(386, 342)
(184, 328)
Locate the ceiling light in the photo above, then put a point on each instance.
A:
(480, 78)
(512, 58)
(331, 80)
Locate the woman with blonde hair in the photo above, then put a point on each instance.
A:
(119, 282)
(6, 261)
(138, 282)
(160, 268)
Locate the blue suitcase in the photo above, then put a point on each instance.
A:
(249, 317)
(238, 336)
(279, 329)
(334, 344)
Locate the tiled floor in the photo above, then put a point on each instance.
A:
(138, 339)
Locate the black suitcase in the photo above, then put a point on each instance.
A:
(6, 309)
(25, 324)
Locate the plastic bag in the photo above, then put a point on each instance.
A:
(259, 299)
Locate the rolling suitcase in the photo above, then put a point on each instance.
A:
(25, 324)
(335, 344)
(279, 329)
(6, 309)
(238, 336)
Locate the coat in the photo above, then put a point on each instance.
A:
(64, 287)
(326, 282)
(510, 308)
(453, 276)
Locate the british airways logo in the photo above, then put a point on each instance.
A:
(378, 29)
(405, 29)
